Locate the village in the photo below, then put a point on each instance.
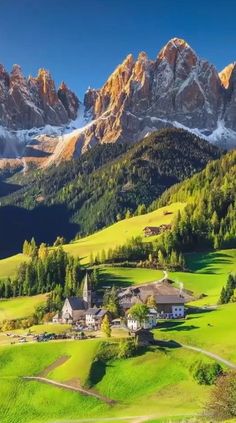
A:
(140, 308)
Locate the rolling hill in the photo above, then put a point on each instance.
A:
(100, 187)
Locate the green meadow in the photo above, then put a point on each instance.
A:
(115, 235)
(207, 274)
(118, 233)
(20, 307)
(212, 330)
(152, 378)
(8, 266)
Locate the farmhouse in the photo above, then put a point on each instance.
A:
(149, 323)
(74, 308)
(169, 299)
(94, 317)
(156, 230)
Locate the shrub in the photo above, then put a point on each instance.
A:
(222, 402)
(207, 373)
(127, 348)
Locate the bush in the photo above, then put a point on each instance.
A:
(207, 373)
(222, 403)
(127, 348)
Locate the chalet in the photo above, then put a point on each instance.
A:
(156, 230)
(170, 306)
(94, 317)
(74, 308)
(151, 230)
(149, 323)
(169, 299)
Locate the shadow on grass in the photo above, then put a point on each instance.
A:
(205, 261)
(109, 279)
(175, 326)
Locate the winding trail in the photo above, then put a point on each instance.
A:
(69, 387)
(210, 354)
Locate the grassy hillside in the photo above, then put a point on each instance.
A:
(209, 219)
(88, 194)
(207, 274)
(9, 265)
(118, 233)
(19, 308)
(212, 330)
(154, 374)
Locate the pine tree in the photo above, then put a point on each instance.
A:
(222, 299)
(103, 256)
(105, 326)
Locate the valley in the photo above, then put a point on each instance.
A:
(117, 212)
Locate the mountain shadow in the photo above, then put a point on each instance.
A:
(44, 223)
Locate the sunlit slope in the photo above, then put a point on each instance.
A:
(132, 383)
(118, 233)
(207, 274)
(9, 265)
(20, 307)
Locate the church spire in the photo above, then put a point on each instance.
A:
(87, 294)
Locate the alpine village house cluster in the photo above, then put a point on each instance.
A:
(87, 312)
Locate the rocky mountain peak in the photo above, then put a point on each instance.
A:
(16, 76)
(34, 102)
(178, 49)
(226, 74)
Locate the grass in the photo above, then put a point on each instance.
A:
(211, 330)
(118, 233)
(8, 266)
(149, 382)
(151, 378)
(114, 235)
(20, 307)
(32, 359)
(208, 273)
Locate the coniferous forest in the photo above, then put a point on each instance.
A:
(102, 186)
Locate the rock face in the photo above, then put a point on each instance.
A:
(144, 95)
(177, 89)
(228, 78)
(34, 102)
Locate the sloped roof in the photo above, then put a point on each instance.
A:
(96, 312)
(93, 311)
(76, 303)
(101, 313)
(170, 299)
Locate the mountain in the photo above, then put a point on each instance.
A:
(177, 89)
(89, 193)
(209, 219)
(34, 102)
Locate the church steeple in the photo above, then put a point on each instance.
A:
(87, 293)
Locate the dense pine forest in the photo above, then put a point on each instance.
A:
(104, 185)
(209, 220)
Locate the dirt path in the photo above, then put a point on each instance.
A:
(210, 354)
(61, 360)
(69, 387)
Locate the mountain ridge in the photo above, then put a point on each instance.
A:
(106, 183)
(176, 89)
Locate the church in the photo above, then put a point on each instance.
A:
(74, 308)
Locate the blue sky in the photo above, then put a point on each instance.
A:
(82, 41)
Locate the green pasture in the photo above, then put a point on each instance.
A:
(118, 233)
(153, 377)
(213, 330)
(19, 307)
